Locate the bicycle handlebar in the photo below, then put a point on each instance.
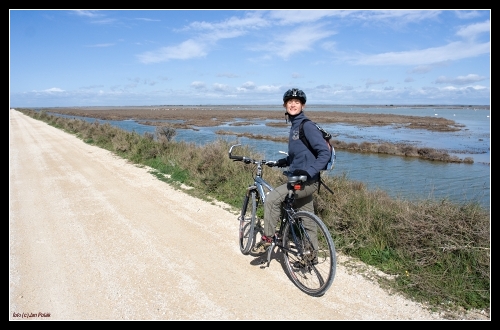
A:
(244, 159)
(291, 178)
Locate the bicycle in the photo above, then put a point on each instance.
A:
(311, 266)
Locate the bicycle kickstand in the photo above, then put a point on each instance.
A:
(269, 251)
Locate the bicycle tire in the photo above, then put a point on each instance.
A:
(310, 276)
(247, 222)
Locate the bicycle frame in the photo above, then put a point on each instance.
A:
(260, 184)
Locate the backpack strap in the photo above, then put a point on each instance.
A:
(303, 138)
(323, 183)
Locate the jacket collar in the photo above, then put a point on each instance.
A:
(297, 118)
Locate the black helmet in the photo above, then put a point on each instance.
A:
(295, 93)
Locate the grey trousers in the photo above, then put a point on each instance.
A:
(303, 202)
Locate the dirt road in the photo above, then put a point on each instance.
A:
(92, 237)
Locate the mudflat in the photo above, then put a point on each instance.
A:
(214, 117)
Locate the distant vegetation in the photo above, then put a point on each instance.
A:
(433, 251)
(395, 149)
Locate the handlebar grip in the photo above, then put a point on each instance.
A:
(236, 157)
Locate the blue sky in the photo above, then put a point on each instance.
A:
(248, 57)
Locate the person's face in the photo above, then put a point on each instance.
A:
(293, 107)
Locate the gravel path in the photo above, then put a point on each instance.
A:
(93, 237)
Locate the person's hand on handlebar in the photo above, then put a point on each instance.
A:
(271, 163)
(280, 163)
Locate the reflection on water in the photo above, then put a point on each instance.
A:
(398, 176)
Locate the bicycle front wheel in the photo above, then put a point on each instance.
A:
(247, 221)
(309, 251)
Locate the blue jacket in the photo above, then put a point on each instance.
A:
(299, 156)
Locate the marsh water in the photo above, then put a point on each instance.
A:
(406, 177)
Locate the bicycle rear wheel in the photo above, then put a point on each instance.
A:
(247, 221)
(311, 266)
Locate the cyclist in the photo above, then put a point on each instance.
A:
(301, 161)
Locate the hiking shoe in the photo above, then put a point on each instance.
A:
(261, 247)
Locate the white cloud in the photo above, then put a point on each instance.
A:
(53, 90)
(269, 88)
(186, 50)
(471, 31)
(147, 19)
(294, 17)
(389, 17)
(200, 45)
(452, 51)
(295, 41)
(397, 17)
(248, 85)
(227, 75)
(88, 13)
(466, 14)
(251, 20)
(371, 82)
(198, 85)
(220, 87)
(96, 16)
(460, 80)
(422, 69)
